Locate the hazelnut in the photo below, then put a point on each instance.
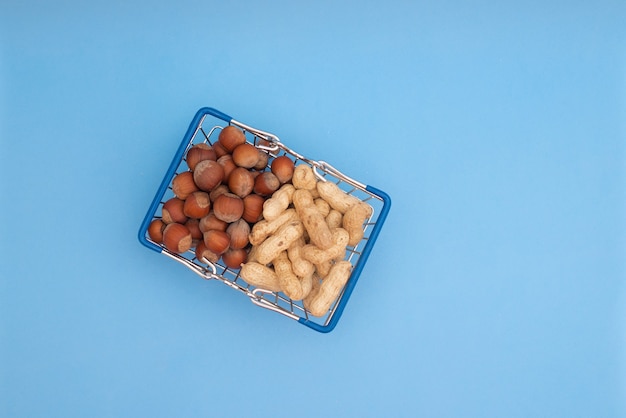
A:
(155, 230)
(252, 207)
(183, 185)
(200, 152)
(263, 160)
(266, 183)
(211, 222)
(283, 168)
(228, 207)
(241, 182)
(216, 241)
(208, 174)
(246, 155)
(234, 258)
(203, 254)
(197, 205)
(263, 143)
(172, 211)
(221, 189)
(230, 137)
(238, 232)
(227, 163)
(193, 225)
(177, 238)
(219, 150)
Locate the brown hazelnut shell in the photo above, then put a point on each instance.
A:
(230, 137)
(173, 211)
(239, 231)
(211, 222)
(266, 183)
(216, 241)
(283, 168)
(253, 208)
(241, 182)
(177, 238)
(197, 205)
(208, 174)
(200, 152)
(245, 155)
(228, 207)
(155, 230)
(234, 258)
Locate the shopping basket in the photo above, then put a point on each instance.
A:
(205, 127)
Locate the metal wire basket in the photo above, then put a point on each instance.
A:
(205, 127)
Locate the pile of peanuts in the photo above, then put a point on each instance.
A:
(300, 245)
(286, 230)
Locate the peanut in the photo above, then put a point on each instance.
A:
(280, 241)
(262, 229)
(314, 193)
(301, 267)
(322, 206)
(316, 283)
(319, 300)
(289, 282)
(336, 198)
(353, 221)
(307, 285)
(322, 269)
(278, 203)
(334, 219)
(303, 177)
(313, 221)
(260, 276)
(317, 255)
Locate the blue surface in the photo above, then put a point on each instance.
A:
(496, 288)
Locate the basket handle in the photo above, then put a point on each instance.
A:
(214, 112)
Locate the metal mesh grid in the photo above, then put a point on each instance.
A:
(271, 300)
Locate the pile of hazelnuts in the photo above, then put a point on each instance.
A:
(218, 200)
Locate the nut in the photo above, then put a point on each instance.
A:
(283, 168)
(280, 200)
(216, 241)
(230, 137)
(177, 238)
(183, 185)
(234, 258)
(197, 205)
(194, 227)
(155, 230)
(241, 182)
(228, 207)
(211, 222)
(303, 177)
(227, 163)
(200, 152)
(219, 150)
(239, 231)
(252, 207)
(246, 155)
(221, 189)
(203, 254)
(172, 211)
(266, 183)
(263, 160)
(208, 174)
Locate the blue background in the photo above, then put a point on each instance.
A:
(496, 287)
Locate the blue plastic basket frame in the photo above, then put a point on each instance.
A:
(324, 324)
